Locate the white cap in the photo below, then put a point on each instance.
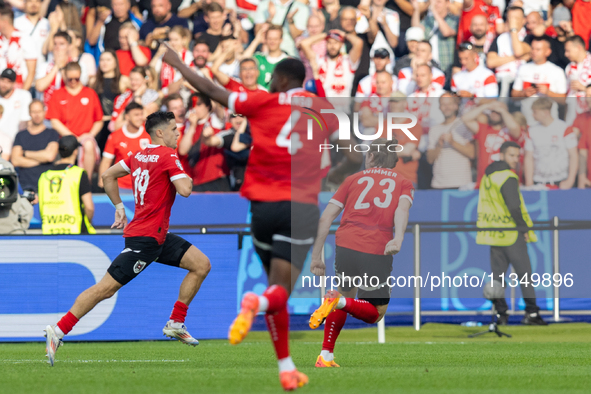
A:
(415, 34)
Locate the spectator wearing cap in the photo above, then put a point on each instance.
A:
(405, 9)
(536, 27)
(17, 51)
(580, 11)
(480, 39)
(367, 86)
(65, 198)
(206, 163)
(76, 110)
(508, 52)
(413, 36)
(129, 139)
(473, 81)
(35, 148)
(551, 156)
(279, 13)
(15, 102)
(440, 27)
(131, 54)
(103, 22)
(336, 70)
(406, 77)
(157, 26)
(382, 25)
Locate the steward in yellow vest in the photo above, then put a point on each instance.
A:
(500, 205)
(65, 198)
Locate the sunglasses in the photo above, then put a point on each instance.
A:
(72, 79)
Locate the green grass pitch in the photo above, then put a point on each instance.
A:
(439, 358)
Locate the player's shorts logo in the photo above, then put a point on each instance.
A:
(139, 266)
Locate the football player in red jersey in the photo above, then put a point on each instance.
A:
(157, 176)
(282, 181)
(372, 201)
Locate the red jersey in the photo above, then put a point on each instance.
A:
(119, 106)
(283, 160)
(152, 171)
(78, 113)
(122, 143)
(479, 7)
(489, 147)
(235, 86)
(369, 200)
(212, 162)
(126, 62)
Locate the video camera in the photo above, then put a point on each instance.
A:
(9, 186)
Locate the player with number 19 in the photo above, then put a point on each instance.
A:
(372, 201)
(157, 176)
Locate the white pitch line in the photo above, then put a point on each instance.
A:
(93, 361)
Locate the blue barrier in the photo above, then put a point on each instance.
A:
(38, 281)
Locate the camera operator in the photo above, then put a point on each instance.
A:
(16, 211)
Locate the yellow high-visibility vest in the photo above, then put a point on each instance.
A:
(59, 202)
(493, 212)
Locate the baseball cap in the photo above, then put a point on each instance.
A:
(381, 53)
(415, 34)
(335, 35)
(560, 14)
(8, 73)
(67, 145)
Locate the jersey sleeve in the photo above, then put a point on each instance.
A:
(109, 151)
(340, 197)
(558, 84)
(126, 164)
(174, 168)
(518, 84)
(407, 191)
(97, 108)
(247, 104)
(491, 88)
(53, 111)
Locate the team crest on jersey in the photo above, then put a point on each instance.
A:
(179, 165)
(139, 266)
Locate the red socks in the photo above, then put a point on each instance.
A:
(277, 319)
(179, 312)
(67, 322)
(361, 310)
(277, 297)
(333, 325)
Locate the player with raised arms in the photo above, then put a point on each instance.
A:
(157, 176)
(282, 182)
(372, 201)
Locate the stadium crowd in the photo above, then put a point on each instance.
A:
(94, 70)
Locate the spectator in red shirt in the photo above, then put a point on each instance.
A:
(207, 163)
(581, 9)
(492, 125)
(126, 141)
(131, 53)
(76, 109)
